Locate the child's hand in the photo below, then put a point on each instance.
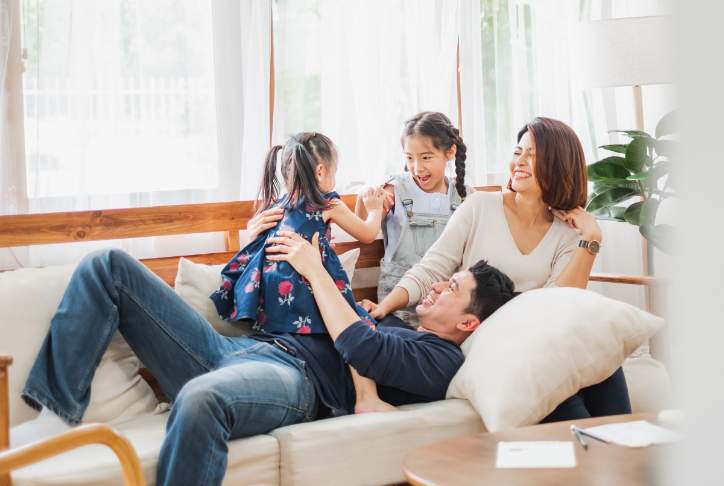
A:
(374, 198)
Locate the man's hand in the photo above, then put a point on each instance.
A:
(262, 222)
(304, 257)
(375, 310)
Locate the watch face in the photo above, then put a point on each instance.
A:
(594, 246)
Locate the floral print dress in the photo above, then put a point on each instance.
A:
(272, 295)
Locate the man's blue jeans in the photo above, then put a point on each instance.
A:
(223, 388)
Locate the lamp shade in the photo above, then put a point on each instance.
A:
(625, 52)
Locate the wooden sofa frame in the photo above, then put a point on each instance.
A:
(230, 218)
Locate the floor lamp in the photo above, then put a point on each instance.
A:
(626, 52)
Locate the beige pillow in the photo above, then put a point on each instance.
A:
(196, 282)
(541, 348)
(118, 393)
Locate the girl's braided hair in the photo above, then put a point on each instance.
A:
(443, 135)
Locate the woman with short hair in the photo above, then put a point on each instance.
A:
(538, 234)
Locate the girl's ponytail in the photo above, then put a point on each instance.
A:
(269, 187)
(460, 156)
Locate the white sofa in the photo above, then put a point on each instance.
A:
(353, 450)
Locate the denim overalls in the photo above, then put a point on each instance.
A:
(419, 232)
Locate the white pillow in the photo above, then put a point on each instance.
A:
(541, 348)
(118, 393)
(195, 282)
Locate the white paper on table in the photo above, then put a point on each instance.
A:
(635, 434)
(535, 454)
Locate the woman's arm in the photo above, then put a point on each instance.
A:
(578, 269)
(395, 300)
(363, 230)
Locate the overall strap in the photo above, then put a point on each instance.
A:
(404, 195)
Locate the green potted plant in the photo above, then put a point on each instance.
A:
(635, 171)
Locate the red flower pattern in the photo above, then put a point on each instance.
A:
(340, 284)
(233, 314)
(249, 288)
(243, 258)
(285, 288)
(304, 330)
(234, 267)
(256, 275)
(226, 284)
(261, 317)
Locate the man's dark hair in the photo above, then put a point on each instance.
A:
(493, 289)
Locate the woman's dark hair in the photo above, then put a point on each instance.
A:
(300, 157)
(440, 131)
(560, 165)
(493, 289)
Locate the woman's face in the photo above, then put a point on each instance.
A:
(522, 166)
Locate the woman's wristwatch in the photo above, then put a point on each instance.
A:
(593, 246)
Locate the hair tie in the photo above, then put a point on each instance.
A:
(282, 147)
(314, 134)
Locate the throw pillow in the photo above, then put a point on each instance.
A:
(541, 348)
(118, 393)
(195, 282)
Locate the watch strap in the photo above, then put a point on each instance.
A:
(583, 244)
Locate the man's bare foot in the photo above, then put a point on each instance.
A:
(373, 405)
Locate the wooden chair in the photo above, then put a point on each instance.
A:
(230, 218)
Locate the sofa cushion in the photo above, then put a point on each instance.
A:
(252, 461)
(368, 448)
(541, 348)
(118, 393)
(649, 385)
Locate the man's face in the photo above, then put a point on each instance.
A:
(444, 307)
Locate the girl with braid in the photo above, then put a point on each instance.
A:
(421, 199)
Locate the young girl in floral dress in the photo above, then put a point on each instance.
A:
(272, 295)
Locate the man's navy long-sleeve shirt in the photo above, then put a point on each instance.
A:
(408, 366)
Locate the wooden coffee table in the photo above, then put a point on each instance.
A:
(471, 459)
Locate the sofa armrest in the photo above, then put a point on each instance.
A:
(73, 439)
(630, 279)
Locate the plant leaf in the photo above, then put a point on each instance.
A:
(606, 170)
(618, 147)
(667, 148)
(614, 159)
(631, 133)
(663, 236)
(668, 124)
(641, 212)
(636, 155)
(609, 198)
(612, 213)
(642, 175)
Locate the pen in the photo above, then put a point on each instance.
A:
(592, 436)
(578, 435)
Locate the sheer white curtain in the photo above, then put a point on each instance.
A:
(357, 70)
(132, 104)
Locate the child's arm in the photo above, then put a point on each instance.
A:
(387, 204)
(365, 230)
(367, 398)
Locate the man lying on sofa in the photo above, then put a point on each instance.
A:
(227, 388)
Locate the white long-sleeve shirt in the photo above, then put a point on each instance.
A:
(478, 230)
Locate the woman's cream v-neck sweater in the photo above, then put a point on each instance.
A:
(478, 230)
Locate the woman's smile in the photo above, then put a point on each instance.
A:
(520, 175)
